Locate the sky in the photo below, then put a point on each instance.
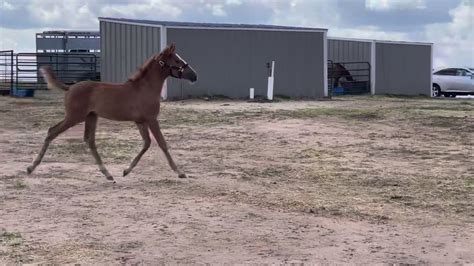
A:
(449, 24)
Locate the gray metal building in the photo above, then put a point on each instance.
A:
(403, 68)
(229, 58)
(396, 67)
(346, 50)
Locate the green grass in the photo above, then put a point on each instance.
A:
(458, 107)
(19, 185)
(109, 148)
(445, 122)
(470, 183)
(467, 103)
(348, 114)
(431, 113)
(11, 238)
(190, 117)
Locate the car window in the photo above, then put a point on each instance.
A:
(441, 72)
(461, 72)
(447, 72)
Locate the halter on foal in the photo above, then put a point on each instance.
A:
(136, 100)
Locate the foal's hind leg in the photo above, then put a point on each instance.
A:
(89, 138)
(143, 128)
(155, 129)
(53, 132)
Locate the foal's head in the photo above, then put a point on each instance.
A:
(176, 67)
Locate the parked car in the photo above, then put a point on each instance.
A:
(453, 81)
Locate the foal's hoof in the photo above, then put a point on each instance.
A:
(30, 169)
(182, 175)
(111, 178)
(126, 172)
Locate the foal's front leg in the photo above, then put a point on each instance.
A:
(155, 129)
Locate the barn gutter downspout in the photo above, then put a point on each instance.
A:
(372, 66)
(431, 71)
(163, 43)
(325, 63)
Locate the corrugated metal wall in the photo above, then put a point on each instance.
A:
(348, 51)
(229, 62)
(124, 48)
(403, 69)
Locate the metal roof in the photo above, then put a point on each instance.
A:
(334, 38)
(178, 24)
(70, 32)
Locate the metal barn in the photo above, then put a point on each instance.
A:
(387, 67)
(229, 58)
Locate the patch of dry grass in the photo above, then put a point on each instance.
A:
(11, 238)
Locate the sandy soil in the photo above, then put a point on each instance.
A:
(351, 180)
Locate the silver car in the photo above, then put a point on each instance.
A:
(453, 81)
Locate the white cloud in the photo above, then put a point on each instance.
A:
(6, 6)
(233, 2)
(454, 40)
(73, 14)
(18, 40)
(367, 32)
(322, 13)
(326, 14)
(216, 10)
(151, 9)
(385, 5)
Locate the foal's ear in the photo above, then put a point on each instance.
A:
(170, 49)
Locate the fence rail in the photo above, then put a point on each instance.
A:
(349, 77)
(6, 72)
(20, 71)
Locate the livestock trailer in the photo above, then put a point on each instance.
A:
(73, 54)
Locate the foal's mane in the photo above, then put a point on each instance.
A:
(143, 68)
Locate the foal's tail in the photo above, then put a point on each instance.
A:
(53, 82)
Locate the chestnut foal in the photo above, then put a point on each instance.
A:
(136, 100)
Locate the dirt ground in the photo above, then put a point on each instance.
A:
(351, 180)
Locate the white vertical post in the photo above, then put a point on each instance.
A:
(431, 70)
(163, 42)
(372, 67)
(270, 83)
(252, 93)
(325, 64)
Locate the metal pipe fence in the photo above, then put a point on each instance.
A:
(20, 71)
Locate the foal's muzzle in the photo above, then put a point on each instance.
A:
(190, 74)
